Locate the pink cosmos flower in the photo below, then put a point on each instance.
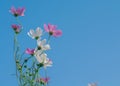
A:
(16, 28)
(51, 29)
(17, 12)
(43, 80)
(30, 51)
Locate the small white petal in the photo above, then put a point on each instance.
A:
(39, 31)
(47, 47)
(38, 42)
(43, 42)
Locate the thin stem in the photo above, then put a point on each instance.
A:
(14, 47)
(47, 84)
(21, 56)
(27, 60)
(49, 39)
(18, 21)
(14, 50)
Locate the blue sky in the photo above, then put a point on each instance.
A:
(88, 51)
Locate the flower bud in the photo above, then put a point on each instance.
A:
(17, 61)
(40, 65)
(25, 66)
(25, 60)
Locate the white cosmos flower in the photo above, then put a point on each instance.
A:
(47, 63)
(42, 58)
(92, 84)
(35, 34)
(42, 45)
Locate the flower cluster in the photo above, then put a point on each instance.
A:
(16, 12)
(32, 60)
(42, 46)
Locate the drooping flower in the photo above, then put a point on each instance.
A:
(51, 29)
(30, 51)
(92, 84)
(42, 45)
(16, 28)
(42, 59)
(17, 12)
(35, 34)
(47, 63)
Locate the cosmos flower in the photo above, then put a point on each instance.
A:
(42, 58)
(47, 63)
(51, 29)
(30, 51)
(43, 80)
(16, 28)
(42, 45)
(17, 12)
(35, 34)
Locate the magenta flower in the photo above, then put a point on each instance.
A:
(16, 28)
(44, 80)
(17, 12)
(51, 29)
(30, 51)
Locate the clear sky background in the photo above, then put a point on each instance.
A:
(88, 51)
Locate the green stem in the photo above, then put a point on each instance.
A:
(14, 47)
(47, 84)
(48, 41)
(18, 21)
(27, 60)
(15, 54)
(21, 56)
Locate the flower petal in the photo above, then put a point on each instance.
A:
(46, 28)
(57, 33)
